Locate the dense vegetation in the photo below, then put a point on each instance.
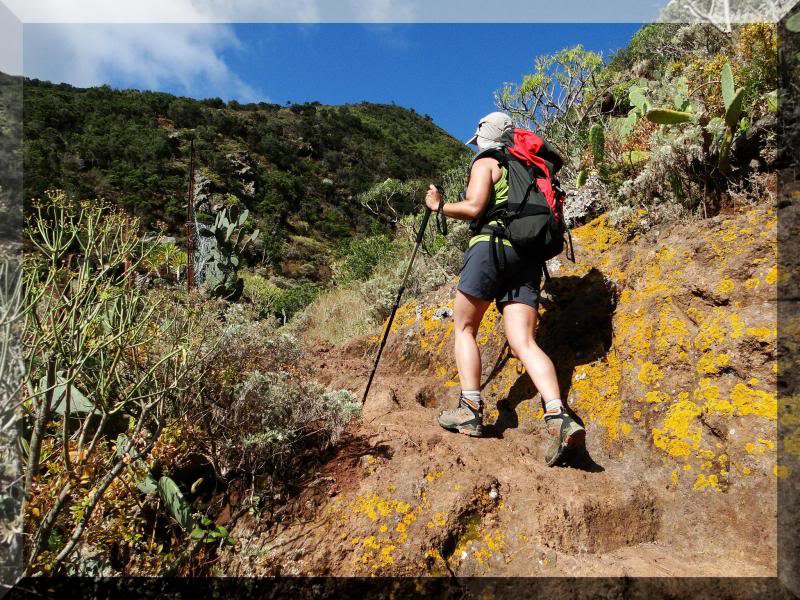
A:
(297, 168)
(11, 156)
(653, 124)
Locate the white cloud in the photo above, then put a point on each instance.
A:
(188, 56)
(166, 11)
(105, 11)
(383, 11)
(257, 11)
(334, 11)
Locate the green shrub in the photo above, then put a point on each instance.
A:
(272, 300)
(361, 256)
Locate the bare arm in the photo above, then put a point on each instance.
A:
(485, 173)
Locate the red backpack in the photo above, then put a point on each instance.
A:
(533, 217)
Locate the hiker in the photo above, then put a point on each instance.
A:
(513, 283)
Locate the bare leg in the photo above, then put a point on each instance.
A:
(467, 316)
(519, 321)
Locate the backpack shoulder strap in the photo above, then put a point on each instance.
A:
(499, 154)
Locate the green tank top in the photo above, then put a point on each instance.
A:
(499, 195)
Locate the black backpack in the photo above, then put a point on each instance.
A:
(532, 218)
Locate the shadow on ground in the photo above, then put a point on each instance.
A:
(575, 328)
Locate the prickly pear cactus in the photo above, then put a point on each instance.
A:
(221, 260)
(733, 99)
(597, 142)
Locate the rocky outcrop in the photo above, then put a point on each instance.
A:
(242, 166)
(209, 196)
(584, 203)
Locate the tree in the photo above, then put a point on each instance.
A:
(391, 199)
(560, 99)
(723, 13)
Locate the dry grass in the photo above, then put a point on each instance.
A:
(336, 316)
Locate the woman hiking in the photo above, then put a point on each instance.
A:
(515, 290)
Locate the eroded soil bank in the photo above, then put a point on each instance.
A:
(665, 345)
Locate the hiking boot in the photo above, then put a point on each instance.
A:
(466, 419)
(567, 434)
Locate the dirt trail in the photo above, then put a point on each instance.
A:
(665, 347)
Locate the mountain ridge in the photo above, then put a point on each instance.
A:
(297, 168)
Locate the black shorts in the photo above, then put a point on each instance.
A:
(518, 281)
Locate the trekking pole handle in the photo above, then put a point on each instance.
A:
(424, 225)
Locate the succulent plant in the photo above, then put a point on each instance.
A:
(166, 488)
(597, 142)
(581, 179)
(772, 101)
(638, 100)
(732, 97)
(666, 116)
(79, 404)
(220, 262)
(176, 504)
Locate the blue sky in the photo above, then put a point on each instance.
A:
(448, 71)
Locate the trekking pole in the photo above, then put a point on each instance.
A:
(420, 235)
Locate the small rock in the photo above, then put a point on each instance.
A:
(554, 265)
(547, 557)
(442, 313)
(381, 402)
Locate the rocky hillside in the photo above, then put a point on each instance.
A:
(665, 343)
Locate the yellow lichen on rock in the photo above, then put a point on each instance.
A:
(726, 286)
(680, 433)
(598, 235)
(711, 363)
(749, 401)
(672, 335)
(406, 315)
(650, 374)
(707, 482)
(596, 388)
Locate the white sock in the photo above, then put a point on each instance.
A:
(554, 406)
(472, 398)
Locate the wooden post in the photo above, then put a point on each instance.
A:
(190, 223)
